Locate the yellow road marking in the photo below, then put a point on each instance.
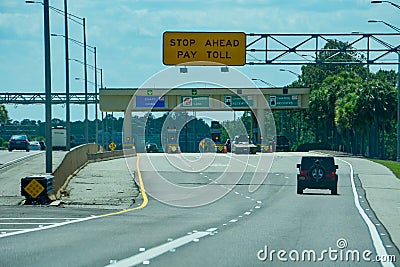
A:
(144, 195)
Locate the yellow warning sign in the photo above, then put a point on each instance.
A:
(204, 48)
(112, 146)
(34, 188)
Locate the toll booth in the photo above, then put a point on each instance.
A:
(215, 131)
(172, 141)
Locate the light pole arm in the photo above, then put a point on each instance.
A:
(393, 4)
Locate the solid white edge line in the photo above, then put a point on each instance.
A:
(48, 226)
(376, 239)
(159, 250)
(20, 218)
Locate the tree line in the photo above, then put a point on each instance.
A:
(350, 108)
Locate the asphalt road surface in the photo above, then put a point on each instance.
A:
(205, 210)
(16, 155)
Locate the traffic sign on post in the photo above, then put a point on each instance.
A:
(204, 48)
(112, 146)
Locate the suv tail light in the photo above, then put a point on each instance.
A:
(302, 172)
(331, 175)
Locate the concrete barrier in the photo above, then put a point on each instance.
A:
(76, 159)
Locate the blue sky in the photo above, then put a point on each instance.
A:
(128, 36)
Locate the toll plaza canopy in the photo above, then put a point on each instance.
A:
(202, 99)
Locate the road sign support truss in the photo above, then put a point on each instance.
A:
(303, 49)
(40, 98)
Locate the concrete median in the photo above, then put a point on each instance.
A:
(78, 158)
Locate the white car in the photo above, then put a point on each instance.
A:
(34, 145)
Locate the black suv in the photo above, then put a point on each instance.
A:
(317, 173)
(151, 148)
(280, 143)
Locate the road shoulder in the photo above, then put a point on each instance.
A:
(106, 184)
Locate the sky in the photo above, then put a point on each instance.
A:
(128, 36)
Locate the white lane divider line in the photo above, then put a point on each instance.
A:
(233, 221)
(376, 239)
(244, 162)
(152, 253)
(48, 226)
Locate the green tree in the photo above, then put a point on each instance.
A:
(3, 114)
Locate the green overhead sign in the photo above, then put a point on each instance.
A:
(195, 101)
(235, 101)
(283, 101)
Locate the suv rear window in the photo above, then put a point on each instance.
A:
(19, 137)
(327, 162)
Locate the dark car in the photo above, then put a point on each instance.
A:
(228, 145)
(42, 145)
(18, 142)
(151, 148)
(317, 172)
(280, 143)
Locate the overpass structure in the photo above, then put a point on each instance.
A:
(40, 98)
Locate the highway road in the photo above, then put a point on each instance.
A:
(16, 155)
(195, 212)
(18, 164)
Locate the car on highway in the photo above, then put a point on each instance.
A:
(18, 142)
(37, 145)
(317, 172)
(242, 144)
(34, 145)
(280, 143)
(42, 145)
(228, 145)
(151, 148)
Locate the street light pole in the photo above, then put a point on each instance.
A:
(95, 93)
(261, 80)
(86, 84)
(47, 70)
(398, 81)
(68, 114)
(102, 117)
(292, 72)
(398, 107)
(379, 2)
